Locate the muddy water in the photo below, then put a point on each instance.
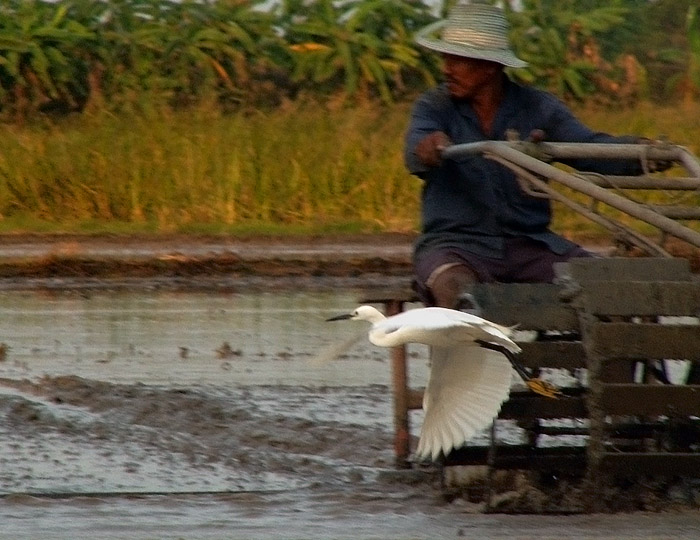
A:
(185, 415)
(188, 338)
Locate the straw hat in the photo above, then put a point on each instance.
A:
(473, 30)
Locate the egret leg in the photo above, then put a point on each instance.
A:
(535, 384)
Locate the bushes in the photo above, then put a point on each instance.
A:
(76, 55)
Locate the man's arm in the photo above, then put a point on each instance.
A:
(563, 126)
(426, 136)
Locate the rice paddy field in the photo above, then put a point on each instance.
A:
(299, 168)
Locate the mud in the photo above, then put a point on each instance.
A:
(89, 459)
(229, 263)
(183, 257)
(150, 417)
(219, 439)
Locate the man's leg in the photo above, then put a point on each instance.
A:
(531, 261)
(448, 283)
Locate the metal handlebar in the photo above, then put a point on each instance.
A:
(529, 160)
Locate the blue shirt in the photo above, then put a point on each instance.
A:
(474, 203)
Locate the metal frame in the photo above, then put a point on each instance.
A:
(531, 162)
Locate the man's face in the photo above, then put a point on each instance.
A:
(466, 77)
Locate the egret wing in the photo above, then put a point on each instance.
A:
(438, 327)
(466, 389)
(425, 325)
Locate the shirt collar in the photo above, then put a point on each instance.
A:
(507, 109)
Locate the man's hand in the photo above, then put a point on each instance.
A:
(655, 165)
(429, 148)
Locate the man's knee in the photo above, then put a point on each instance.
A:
(449, 284)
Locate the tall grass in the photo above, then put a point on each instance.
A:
(301, 168)
(307, 168)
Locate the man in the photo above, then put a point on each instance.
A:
(477, 224)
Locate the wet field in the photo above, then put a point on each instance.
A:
(166, 414)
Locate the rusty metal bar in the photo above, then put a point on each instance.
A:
(415, 399)
(399, 376)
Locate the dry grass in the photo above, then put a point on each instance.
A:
(305, 168)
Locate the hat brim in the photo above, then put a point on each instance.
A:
(424, 37)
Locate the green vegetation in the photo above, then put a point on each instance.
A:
(224, 117)
(123, 55)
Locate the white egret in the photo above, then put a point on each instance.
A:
(470, 370)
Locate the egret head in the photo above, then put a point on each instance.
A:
(362, 313)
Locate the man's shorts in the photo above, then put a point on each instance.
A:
(525, 261)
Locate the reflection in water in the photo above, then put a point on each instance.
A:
(177, 392)
(189, 338)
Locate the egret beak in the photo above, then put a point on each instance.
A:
(343, 317)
